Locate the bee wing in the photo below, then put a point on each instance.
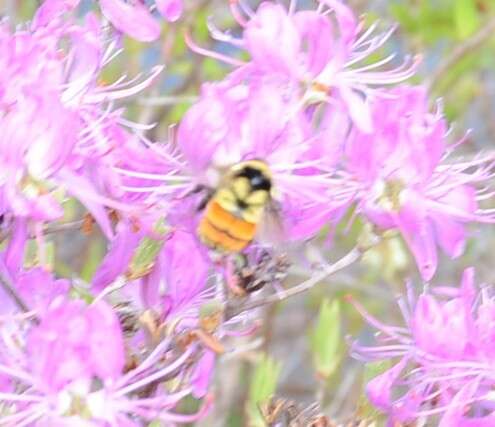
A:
(271, 227)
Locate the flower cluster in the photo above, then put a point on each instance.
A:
(61, 133)
(334, 132)
(338, 130)
(72, 367)
(72, 358)
(438, 374)
(405, 180)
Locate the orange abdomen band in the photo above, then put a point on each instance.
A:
(224, 231)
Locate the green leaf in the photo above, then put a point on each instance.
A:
(466, 17)
(201, 25)
(82, 291)
(402, 13)
(326, 339)
(26, 9)
(145, 254)
(94, 255)
(212, 69)
(178, 111)
(262, 388)
(425, 21)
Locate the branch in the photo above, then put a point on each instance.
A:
(461, 51)
(9, 288)
(64, 226)
(50, 229)
(232, 311)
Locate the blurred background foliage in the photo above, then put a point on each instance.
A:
(301, 351)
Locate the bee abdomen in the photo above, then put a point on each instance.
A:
(224, 231)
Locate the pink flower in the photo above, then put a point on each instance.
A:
(75, 342)
(68, 370)
(177, 288)
(175, 281)
(58, 126)
(446, 358)
(320, 54)
(135, 19)
(403, 178)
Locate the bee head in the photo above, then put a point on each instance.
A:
(257, 173)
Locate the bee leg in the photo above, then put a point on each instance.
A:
(245, 271)
(233, 280)
(251, 282)
(199, 188)
(206, 198)
(255, 285)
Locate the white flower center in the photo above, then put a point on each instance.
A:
(76, 400)
(390, 194)
(316, 93)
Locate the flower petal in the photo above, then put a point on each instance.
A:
(51, 10)
(316, 33)
(211, 125)
(14, 254)
(462, 199)
(426, 322)
(106, 342)
(202, 374)
(347, 21)
(171, 10)
(134, 20)
(450, 234)
(272, 39)
(457, 407)
(87, 59)
(118, 257)
(185, 270)
(38, 288)
(358, 108)
(82, 188)
(379, 389)
(419, 236)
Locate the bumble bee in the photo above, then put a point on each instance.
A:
(235, 209)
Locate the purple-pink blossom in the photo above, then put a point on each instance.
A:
(75, 342)
(70, 368)
(341, 134)
(322, 51)
(405, 177)
(442, 357)
(58, 124)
